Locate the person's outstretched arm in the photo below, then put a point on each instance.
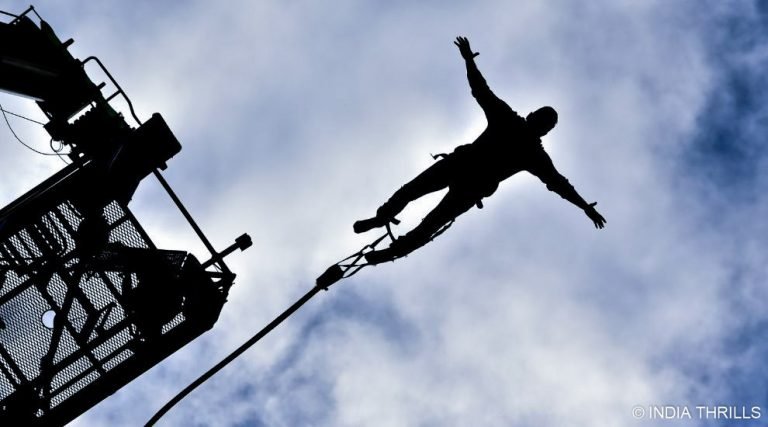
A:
(485, 97)
(557, 183)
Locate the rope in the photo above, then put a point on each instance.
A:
(321, 284)
(253, 340)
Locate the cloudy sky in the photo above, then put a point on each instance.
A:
(299, 117)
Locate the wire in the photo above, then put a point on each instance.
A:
(211, 372)
(58, 150)
(17, 137)
(22, 117)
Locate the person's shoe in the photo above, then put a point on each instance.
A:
(367, 224)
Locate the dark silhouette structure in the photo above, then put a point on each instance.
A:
(88, 302)
(509, 144)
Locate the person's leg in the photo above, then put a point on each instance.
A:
(451, 206)
(434, 178)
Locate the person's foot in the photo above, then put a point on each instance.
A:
(367, 224)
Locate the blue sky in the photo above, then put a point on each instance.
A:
(298, 118)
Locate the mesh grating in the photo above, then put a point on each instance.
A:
(67, 318)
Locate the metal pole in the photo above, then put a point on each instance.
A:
(190, 220)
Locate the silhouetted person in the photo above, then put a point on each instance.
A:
(508, 145)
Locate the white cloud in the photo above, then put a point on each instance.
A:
(297, 119)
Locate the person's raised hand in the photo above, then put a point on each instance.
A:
(464, 49)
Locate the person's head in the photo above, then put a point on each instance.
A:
(542, 120)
